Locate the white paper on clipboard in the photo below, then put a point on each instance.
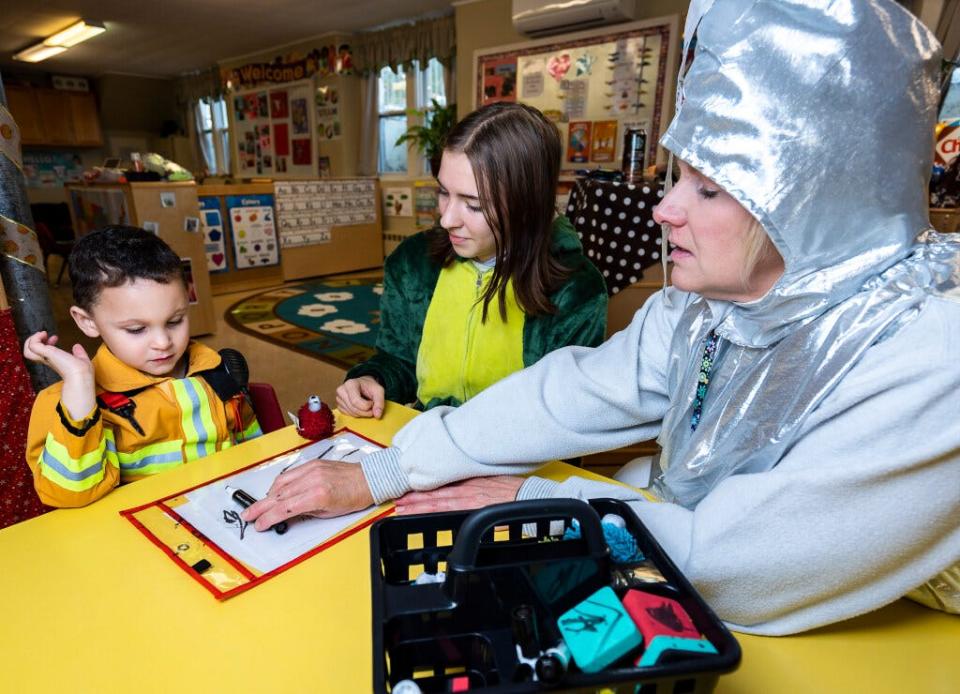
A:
(210, 509)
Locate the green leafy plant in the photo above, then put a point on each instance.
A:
(429, 137)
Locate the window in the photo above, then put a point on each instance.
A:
(397, 98)
(214, 135)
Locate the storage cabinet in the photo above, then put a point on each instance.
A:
(55, 117)
(22, 104)
(86, 121)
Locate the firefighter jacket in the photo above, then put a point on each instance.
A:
(142, 425)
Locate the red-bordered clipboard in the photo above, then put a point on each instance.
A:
(223, 575)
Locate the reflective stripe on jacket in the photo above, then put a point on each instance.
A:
(183, 420)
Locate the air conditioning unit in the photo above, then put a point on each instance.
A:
(546, 17)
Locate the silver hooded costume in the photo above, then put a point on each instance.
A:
(823, 479)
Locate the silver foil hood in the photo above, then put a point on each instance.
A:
(818, 117)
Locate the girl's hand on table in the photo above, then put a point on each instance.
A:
(473, 493)
(361, 397)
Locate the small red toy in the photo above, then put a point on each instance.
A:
(314, 419)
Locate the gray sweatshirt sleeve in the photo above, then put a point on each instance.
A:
(574, 401)
(860, 511)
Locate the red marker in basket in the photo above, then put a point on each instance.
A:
(245, 500)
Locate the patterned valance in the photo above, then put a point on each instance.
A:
(202, 84)
(401, 45)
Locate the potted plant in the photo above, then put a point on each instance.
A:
(429, 137)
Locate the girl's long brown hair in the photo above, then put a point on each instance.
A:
(515, 155)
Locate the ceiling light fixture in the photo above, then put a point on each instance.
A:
(61, 41)
(39, 52)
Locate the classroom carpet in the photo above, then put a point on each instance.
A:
(334, 320)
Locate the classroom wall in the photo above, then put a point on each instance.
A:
(136, 104)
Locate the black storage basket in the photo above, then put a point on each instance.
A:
(496, 559)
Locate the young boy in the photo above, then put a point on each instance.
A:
(150, 399)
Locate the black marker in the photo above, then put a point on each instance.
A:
(246, 501)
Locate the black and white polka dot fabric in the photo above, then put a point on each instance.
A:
(616, 227)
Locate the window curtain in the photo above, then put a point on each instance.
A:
(450, 80)
(190, 89)
(401, 45)
(393, 47)
(369, 125)
(202, 84)
(205, 148)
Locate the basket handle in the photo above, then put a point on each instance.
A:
(463, 556)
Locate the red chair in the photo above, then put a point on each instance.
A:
(266, 406)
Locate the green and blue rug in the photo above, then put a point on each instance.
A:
(333, 320)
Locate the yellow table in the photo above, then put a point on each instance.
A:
(87, 604)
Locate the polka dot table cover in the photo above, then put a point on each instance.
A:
(615, 224)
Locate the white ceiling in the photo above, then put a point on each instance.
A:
(165, 38)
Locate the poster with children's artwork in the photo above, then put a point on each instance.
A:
(590, 83)
(398, 202)
(97, 207)
(604, 144)
(254, 233)
(328, 113)
(278, 104)
(274, 133)
(298, 115)
(578, 142)
(301, 151)
(254, 145)
(500, 80)
(426, 204)
(214, 244)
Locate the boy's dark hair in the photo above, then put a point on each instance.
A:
(117, 254)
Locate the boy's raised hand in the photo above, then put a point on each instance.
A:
(74, 367)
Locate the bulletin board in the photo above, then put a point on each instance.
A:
(273, 130)
(593, 84)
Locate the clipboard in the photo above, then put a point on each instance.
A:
(200, 529)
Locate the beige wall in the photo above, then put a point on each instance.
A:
(487, 23)
(131, 103)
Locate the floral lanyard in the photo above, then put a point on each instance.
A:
(703, 380)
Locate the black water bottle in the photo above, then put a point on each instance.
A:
(634, 149)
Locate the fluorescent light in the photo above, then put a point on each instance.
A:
(61, 41)
(39, 52)
(75, 33)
